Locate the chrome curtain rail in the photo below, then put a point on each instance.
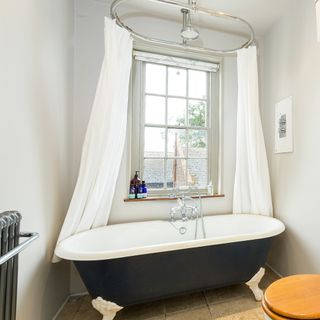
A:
(31, 237)
(180, 5)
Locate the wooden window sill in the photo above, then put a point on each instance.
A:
(158, 198)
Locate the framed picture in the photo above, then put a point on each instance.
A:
(283, 126)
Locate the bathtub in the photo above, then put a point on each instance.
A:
(138, 262)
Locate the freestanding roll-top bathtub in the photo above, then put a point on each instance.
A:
(137, 262)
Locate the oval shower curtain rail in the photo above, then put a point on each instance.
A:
(191, 7)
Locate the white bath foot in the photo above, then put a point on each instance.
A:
(253, 284)
(106, 308)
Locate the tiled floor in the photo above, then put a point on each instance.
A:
(231, 303)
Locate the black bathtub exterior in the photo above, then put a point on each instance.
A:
(137, 279)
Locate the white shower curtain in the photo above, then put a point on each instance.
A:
(252, 192)
(105, 138)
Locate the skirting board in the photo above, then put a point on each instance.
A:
(66, 301)
(275, 271)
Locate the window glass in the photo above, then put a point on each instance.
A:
(155, 110)
(177, 143)
(197, 84)
(177, 82)
(198, 172)
(174, 127)
(197, 143)
(155, 78)
(154, 142)
(197, 113)
(177, 111)
(182, 152)
(153, 173)
(176, 173)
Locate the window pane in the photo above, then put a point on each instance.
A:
(198, 144)
(197, 113)
(176, 173)
(155, 78)
(155, 110)
(153, 173)
(198, 172)
(197, 84)
(177, 82)
(177, 143)
(154, 142)
(177, 111)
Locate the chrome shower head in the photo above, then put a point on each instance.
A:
(188, 32)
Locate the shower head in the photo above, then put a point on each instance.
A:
(188, 32)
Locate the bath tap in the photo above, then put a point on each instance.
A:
(186, 212)
(173, 212)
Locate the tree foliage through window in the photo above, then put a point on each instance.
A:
(196, 118)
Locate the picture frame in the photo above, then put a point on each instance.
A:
(283, 126)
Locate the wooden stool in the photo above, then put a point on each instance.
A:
(292, 298)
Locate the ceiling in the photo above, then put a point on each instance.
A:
(261, 14)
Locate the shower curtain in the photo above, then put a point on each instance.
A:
(252, 192)
(105, 138)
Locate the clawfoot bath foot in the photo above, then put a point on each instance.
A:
(106, 308)
(253, 284)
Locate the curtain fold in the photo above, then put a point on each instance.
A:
(105, 138)
(252, 192)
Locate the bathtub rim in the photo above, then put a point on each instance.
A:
(77, 255)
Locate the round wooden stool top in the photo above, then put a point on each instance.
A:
(295, 297)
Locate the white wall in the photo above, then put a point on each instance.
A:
(35, 103)
(291, 66)
(88, 57)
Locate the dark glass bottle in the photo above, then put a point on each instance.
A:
(136, 182)
(132, 191)
(144, 189)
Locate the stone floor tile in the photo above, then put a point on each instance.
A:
(184, 302)
(89, 314)
(234, 306)
(86, 303)
(228, 293)
(70, 309)
(147, 311)
(201, 313)
(245, 315)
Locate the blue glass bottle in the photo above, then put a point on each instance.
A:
(144, 189)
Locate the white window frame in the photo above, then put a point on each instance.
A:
(136, 129)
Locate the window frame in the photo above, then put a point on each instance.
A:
(213, 128)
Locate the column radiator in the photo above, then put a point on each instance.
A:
(9, 250)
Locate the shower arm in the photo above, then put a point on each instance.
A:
(184, 46)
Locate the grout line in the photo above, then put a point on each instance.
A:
(165, 310)
(207, 303)
(78, 308)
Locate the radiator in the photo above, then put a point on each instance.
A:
(9, 250)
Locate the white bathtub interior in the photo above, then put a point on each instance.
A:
(136, 238)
